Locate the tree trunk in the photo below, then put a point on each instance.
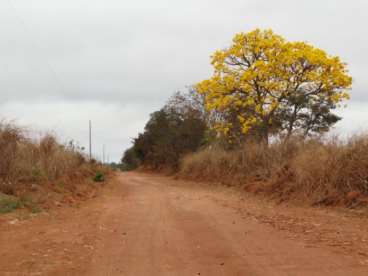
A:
(265, 134)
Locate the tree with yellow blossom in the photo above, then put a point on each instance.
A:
(272, 84)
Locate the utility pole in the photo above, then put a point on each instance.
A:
(90, 140)
(103, 154)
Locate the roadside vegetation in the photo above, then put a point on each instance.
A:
(172, 132)
(35, 173)
(314, 171)
(260, 122)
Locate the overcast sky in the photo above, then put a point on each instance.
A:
(63, 63)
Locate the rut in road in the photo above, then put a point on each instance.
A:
(153, 225)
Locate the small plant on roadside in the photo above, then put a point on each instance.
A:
(99, 177)
(8, 203)
(29, 203)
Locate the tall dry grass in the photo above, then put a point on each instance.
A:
(25, 161)
(314, 171)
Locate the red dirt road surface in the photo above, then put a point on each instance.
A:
(153, 225)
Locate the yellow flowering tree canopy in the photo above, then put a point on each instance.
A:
(271, 84)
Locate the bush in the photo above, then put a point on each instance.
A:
(8, 203)
(130, 160)
(99, 177)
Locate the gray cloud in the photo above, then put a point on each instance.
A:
(64, 62)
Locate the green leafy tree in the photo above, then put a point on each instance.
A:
(173, 131)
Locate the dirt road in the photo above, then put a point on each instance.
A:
(153, 225)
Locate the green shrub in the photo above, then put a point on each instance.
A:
(99, 177)
(8, 203)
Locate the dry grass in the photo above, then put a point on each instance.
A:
(329, 172)
(45, 162)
